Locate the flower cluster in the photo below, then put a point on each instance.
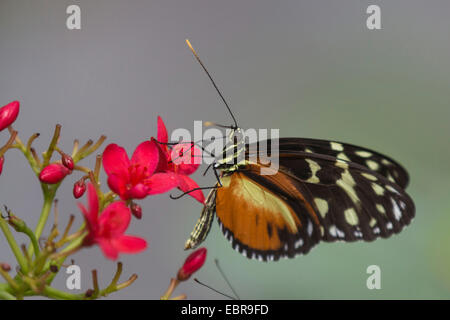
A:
(156, 166)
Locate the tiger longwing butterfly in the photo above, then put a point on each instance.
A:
(322, 191)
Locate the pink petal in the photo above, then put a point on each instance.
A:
(139, 191)
(162, 182)
(146, 155)
(163, 157)
(109, 250)
(114, 220)
(91, 215)
(189, 160)
(187, 184)
(162, 131)
(118, 185)
(93, 203)
(115, 160)
(129, 244)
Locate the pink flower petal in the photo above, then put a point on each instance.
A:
(187, 184)
(162, 131)
(115, 160)
(91, 215)
(163, 157)
(114, 220)
(162, 182)
(139, 191)
(109, 250)
(129, 244)
(93, 202)
(118, 185)
(186, 158)
(146, 155)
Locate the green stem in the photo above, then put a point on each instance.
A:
(6, 296)
(29, 157)
(58, 294)
(46, 208)
(71, 246)
(33, 239)
(13, 244)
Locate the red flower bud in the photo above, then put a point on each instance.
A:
(8, 114)
(67, 161)
(193, 262)
(79, 188)
(53, 173)
(136, 210)
(2, 160)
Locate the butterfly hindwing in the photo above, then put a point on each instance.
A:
(262, 220)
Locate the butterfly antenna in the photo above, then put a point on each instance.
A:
(216, 261)
(211, 288)
(212, 81)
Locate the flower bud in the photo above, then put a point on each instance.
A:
(79, 188)
(5, 267)
(89, 293)
(136, 210)
(2, 160)
(8, 114)
(67, 161)
(53, 173)
(193, 262)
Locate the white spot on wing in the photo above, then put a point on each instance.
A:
(372, 165)
(322, 205)
(351, 217)
(369, 176)
(336, 146)
(363, 154)
(314, 166)
(378, 189)
(343, 156)
(380, 208)
(396, 209)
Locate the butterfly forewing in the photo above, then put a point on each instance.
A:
(370, 159)
(351, 201)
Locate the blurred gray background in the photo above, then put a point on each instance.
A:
(310, 68)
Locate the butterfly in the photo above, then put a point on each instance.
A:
(322, 191)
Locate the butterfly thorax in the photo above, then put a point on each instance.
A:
(233, 153)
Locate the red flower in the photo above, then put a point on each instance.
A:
(193, 262)
(107, 229)
(179, 160)
(53, 173)
(136, 178)
(8, 114)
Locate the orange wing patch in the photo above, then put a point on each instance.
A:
(260, 222)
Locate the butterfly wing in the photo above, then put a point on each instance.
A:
(265, 218)
(372, 160)
(351, 201)
(312, 197)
